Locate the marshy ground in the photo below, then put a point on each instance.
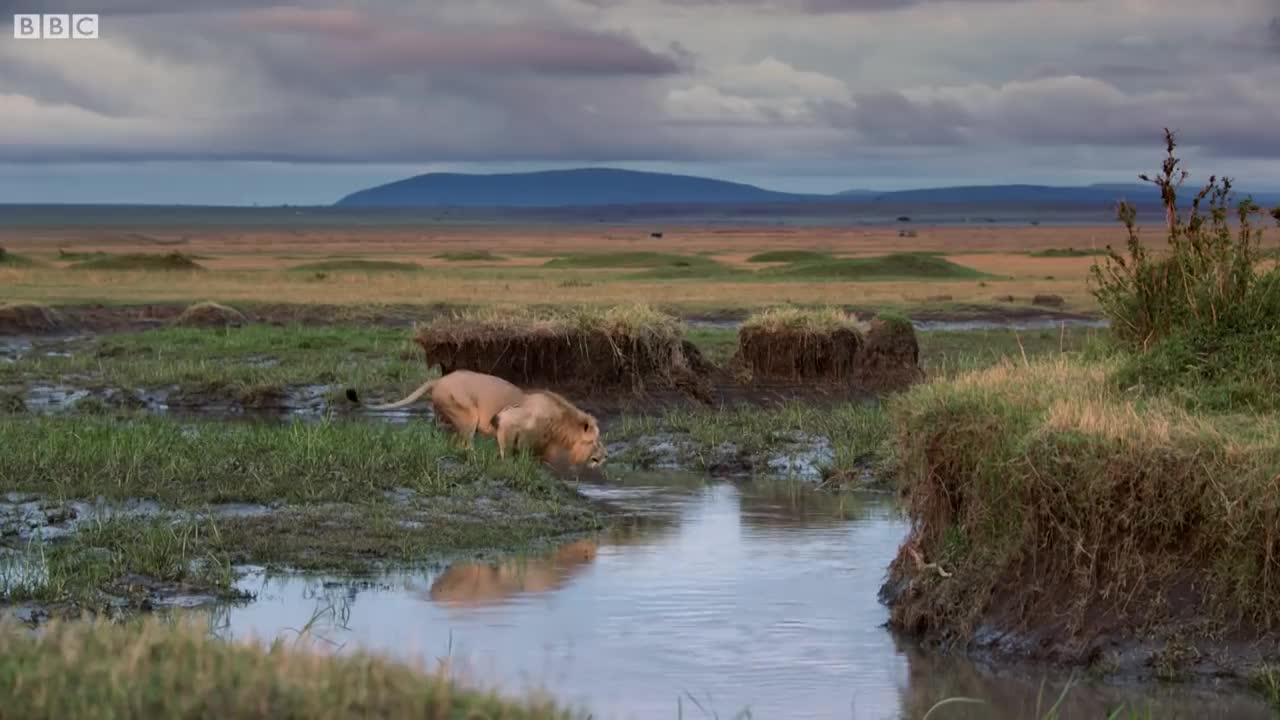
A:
(159, 456)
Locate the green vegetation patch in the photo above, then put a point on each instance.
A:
(13, 260)
(358, 266)
(858, 432)
(140, 261)
(636, 260)
(252, 361)
(1067, 252)
(185, 672)
(895, 266)
(789, 256)
(323, 495)
(468, 256)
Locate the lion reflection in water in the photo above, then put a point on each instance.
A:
(478, 584)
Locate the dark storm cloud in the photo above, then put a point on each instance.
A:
(382, 45)
(128, 7)
(804, 6)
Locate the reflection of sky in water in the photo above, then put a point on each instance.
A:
(738, 603)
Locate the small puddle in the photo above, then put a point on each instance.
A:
(726, 598)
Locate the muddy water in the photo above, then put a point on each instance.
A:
(728, 599)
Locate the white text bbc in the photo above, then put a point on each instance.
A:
(52, 26)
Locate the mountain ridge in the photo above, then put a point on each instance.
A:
(603, 186)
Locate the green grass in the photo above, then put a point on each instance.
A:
(858, 433)
(895, 266)
(160, 669)
(1067, 252)
(358, 266)
(140, 261)
(819, 321)
(346, 496)
(239, 364)
(13, 260)
(716, 344)
(634, 260)
(789, 256)
(100, 565)
(186, 465)
(1003, 466)
(468, 256)
(699, 271)
(945, 353)
(635, 321)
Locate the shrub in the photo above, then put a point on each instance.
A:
(1201, 318)
(1207, 277)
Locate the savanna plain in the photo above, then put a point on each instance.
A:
(1077, 453)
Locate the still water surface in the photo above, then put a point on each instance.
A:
(731, 598)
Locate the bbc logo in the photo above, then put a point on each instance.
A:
(55, 27)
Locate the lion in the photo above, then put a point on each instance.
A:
(551, 428)
(467, 400)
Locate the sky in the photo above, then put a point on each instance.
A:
(251, 101)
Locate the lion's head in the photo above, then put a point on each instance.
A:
(584, 446)
(563, 432)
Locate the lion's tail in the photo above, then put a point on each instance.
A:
(412, 397)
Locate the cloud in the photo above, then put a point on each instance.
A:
(807, 88)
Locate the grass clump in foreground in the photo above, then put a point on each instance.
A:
(895, 266)
(357, 266)
(1201, 320)
(1058, 497)
(179, 670)
(1004, 468)
(140, 261)
(468, 256)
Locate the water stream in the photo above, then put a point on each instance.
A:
(728, 598)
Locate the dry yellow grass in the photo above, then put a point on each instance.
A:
(251, 265)
(56, 286)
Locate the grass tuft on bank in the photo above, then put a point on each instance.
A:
(1052, 497)
(179, 670)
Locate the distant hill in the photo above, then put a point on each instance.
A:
(551, 188)
(609, 187)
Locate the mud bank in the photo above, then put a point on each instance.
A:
(297, 401)
(1056, 519)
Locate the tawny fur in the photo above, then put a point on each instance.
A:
(466, 400)
(551, 428)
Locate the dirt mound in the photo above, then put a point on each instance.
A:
(828, 348)
(621, 349)
(889, 357)
(210, 315)
(24, 318)
(1055, 301)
